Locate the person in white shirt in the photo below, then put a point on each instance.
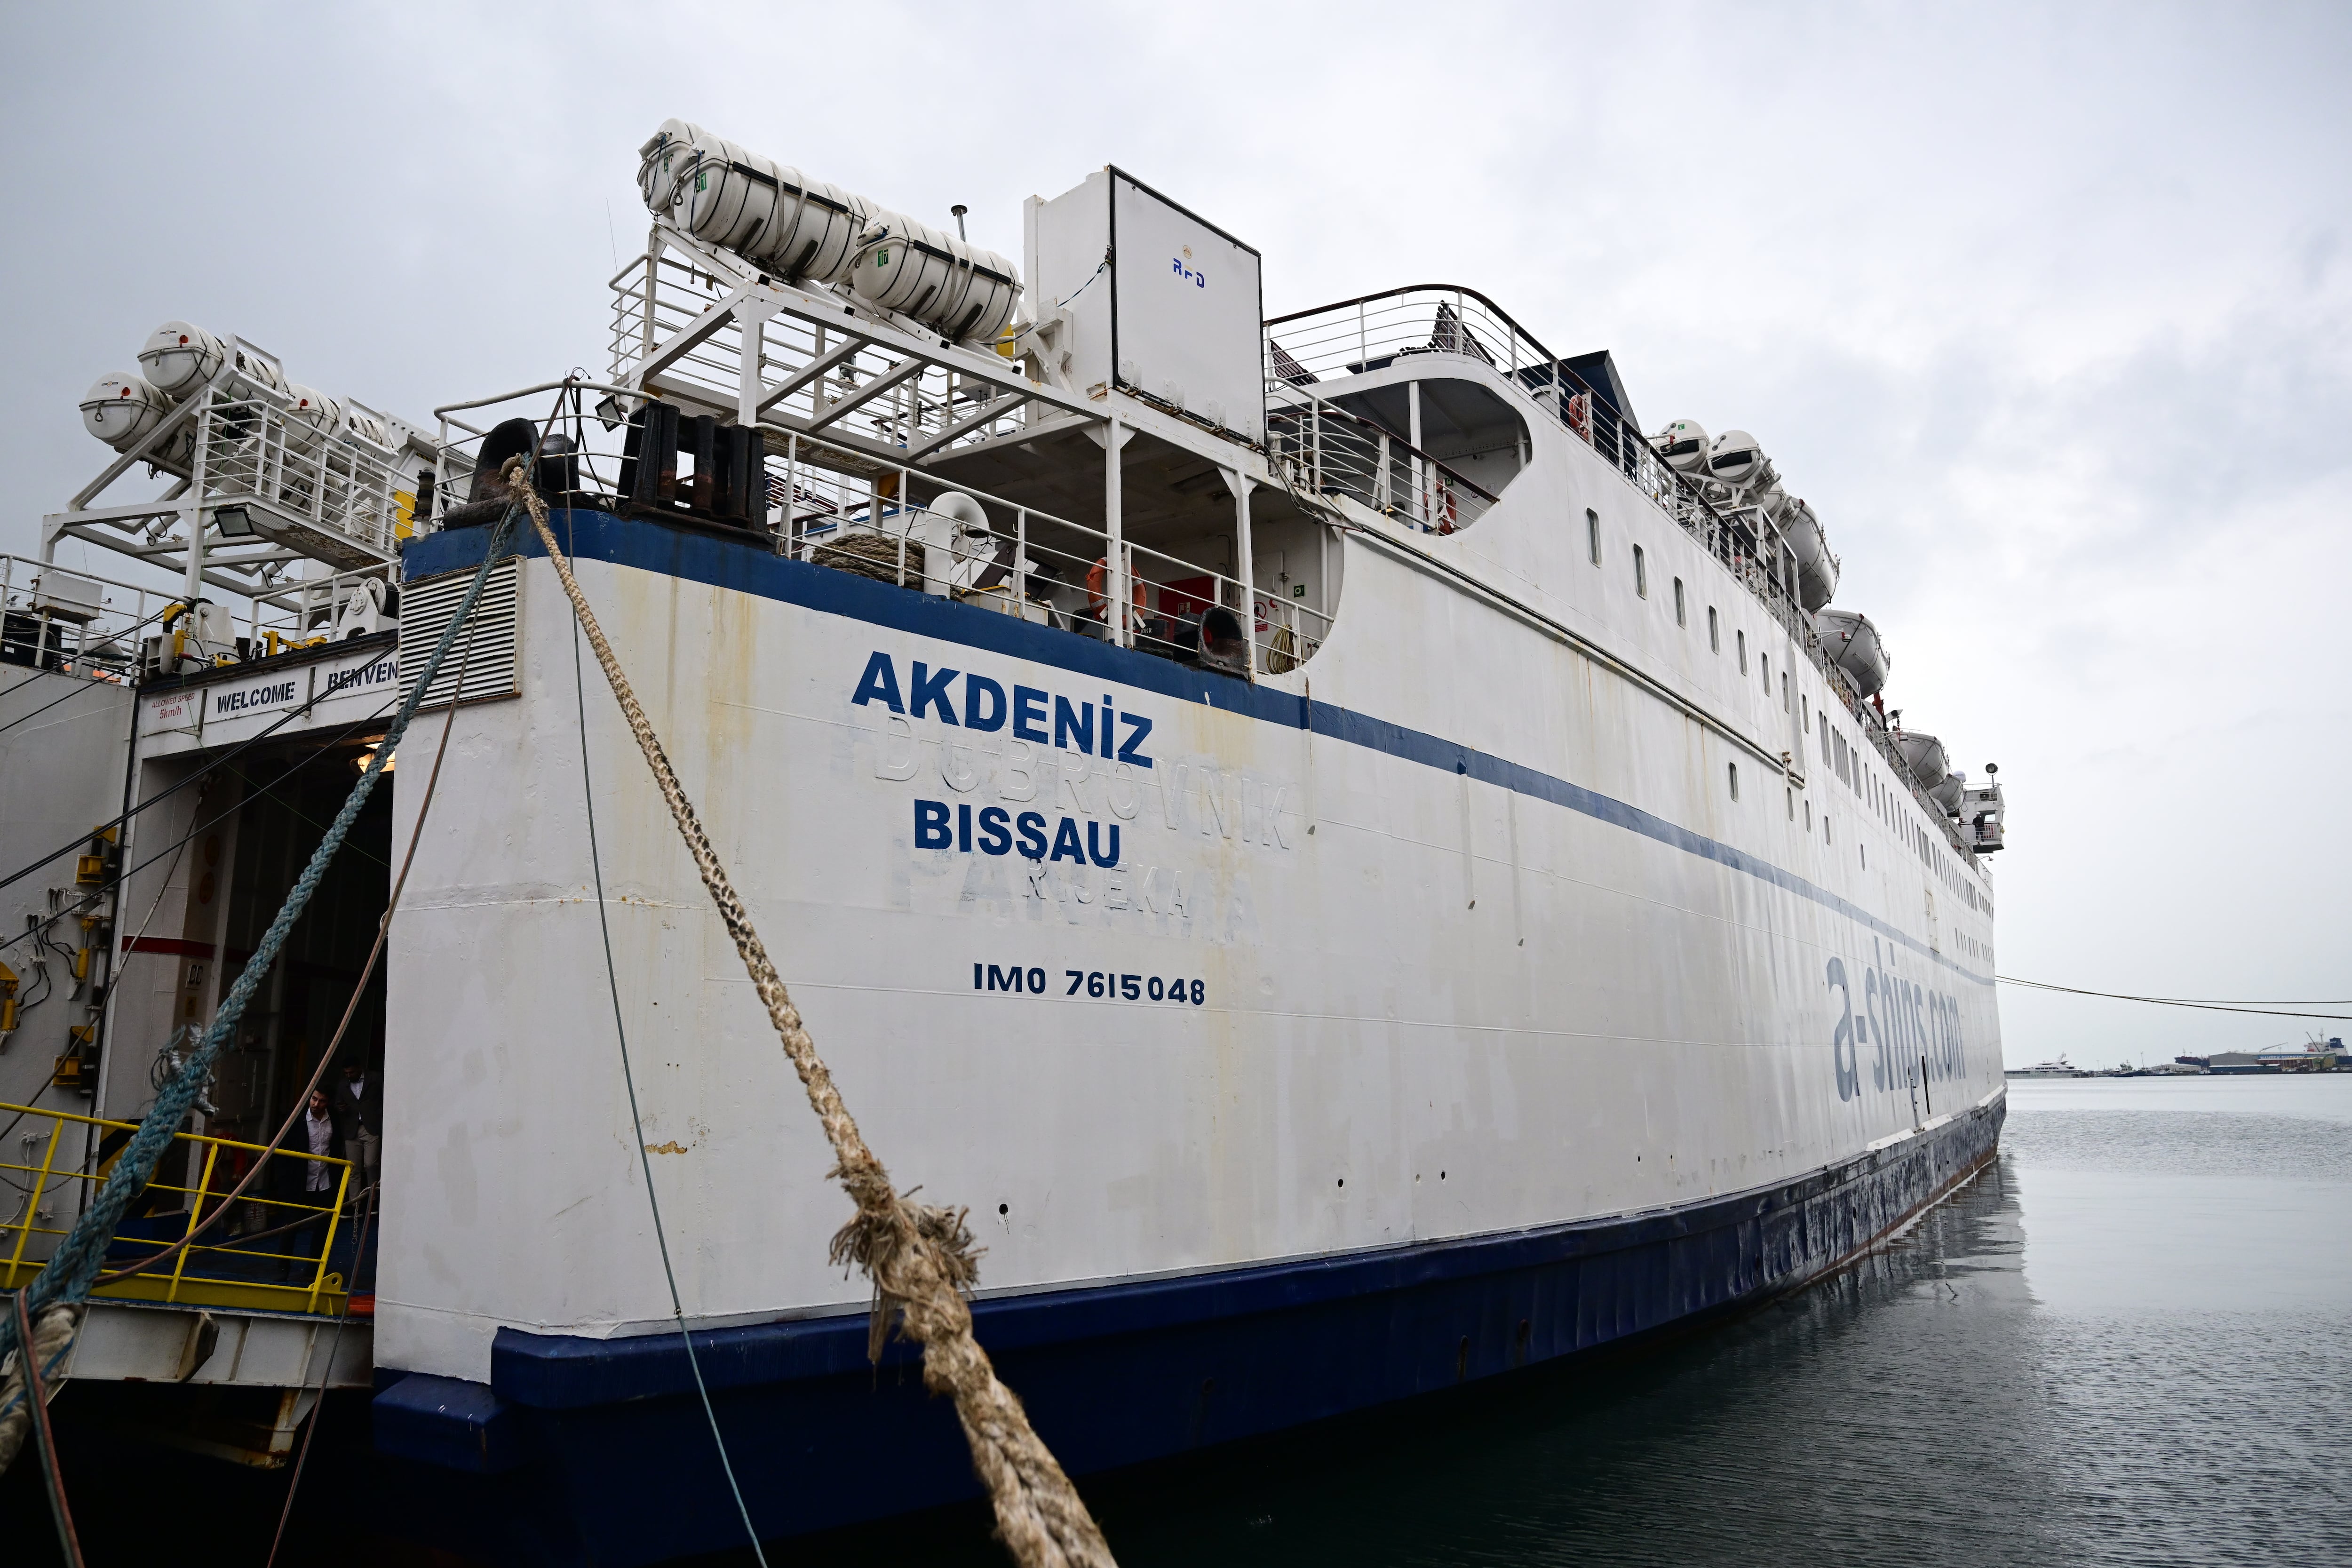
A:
(313, 1188)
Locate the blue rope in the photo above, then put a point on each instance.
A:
(75, 1265)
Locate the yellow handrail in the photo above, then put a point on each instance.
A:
(318, 1291)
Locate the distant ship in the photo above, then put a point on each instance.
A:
(2059, 1068)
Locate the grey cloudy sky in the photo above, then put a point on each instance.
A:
(2047, 310)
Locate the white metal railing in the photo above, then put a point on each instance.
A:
(105, 643)
(827, 374)
(840, 506)
(251, 448)
(1306, 350)
(99, 639)
(279, 511)
(1317, 447)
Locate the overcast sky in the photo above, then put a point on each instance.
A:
(2048, 311)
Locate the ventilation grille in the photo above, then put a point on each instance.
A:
(486, 652)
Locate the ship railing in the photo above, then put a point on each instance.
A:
(1319, 448)
(78, 622)
(1308, 349)
(73, 621)
(855, 510)
(256, 490)
(272, 1254)
(830, 375)
(252, 448)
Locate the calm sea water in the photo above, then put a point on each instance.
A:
(2130, 1341)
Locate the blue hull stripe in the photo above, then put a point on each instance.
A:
(746, 568)
(595, 1450)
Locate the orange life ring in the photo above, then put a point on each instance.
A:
(1098, 595)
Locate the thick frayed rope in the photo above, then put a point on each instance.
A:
(53, 1333)
(919, 1257)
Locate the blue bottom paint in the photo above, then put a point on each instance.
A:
(595, 1451)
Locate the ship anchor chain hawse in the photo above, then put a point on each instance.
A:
(1338, 862)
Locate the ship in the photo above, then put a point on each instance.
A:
(2058, 1066)
(1359, 869)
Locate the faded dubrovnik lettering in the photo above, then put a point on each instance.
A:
(1904, 1023)
(1033, 803)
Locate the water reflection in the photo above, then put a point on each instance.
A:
(2124, 1342)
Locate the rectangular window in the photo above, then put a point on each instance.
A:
(1827, 761)
(1735, 781)
(1592, 535)
(1809, 815)
(1765, 661)
(1806, 703)
(1682, 616)
(1743, 651)
(1784, 691)
(1640, 573)
(1825, 827)
(1714, 632)
(1793, 805)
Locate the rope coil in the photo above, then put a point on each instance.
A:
(919, 1257)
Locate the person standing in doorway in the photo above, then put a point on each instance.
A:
(359, 1105)
(311, 1188)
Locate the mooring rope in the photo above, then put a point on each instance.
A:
(919, 1257)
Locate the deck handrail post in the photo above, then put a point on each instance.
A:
(327, 1247)
(196, 1214)
(33, 1204)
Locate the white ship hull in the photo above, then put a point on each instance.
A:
(1475, 949)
